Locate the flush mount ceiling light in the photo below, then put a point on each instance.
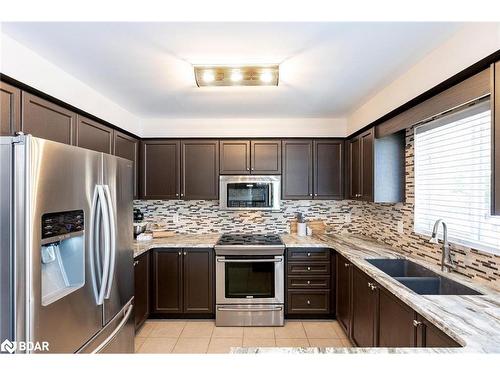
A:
(222, 75)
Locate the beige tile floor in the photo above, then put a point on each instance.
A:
(202, 336)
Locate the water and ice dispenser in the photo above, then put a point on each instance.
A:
(62, 254)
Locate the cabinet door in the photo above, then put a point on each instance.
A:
(495, 110)
(354, 167)
(343, 294)
(297, 182)
(10, 109)
(364, 304)
(200, 169)
(94, 136)
(266, 156)
(396, 329)
(128, 147)
(234, 157)
(160, 169)
(429, 336)
(198, 281)
(167, 281)
(141, 292)
(328, 169)
(366, 145)
(47, 120)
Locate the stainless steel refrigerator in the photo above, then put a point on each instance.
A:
(66, 261)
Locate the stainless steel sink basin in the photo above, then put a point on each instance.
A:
(420, 279)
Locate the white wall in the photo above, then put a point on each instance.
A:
(469, 45)
(286, 127)
(24, 65)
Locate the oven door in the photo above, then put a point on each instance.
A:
(250, 192)
(250, 279)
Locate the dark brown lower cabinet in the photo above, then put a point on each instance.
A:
(364, 309)
(429, 336)
(183, 281)
(343, 295)
(395, 323)
(141, 292)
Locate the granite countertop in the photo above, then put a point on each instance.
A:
(179, 240)
(472, 321)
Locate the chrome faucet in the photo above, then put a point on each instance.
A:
(447, 263)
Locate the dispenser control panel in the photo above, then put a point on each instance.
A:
(61, 223)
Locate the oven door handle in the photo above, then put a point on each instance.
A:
(278, 260)
(249, 309)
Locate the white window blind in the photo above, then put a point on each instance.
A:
(453, 178)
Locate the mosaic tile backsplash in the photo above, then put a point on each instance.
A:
(379, 221)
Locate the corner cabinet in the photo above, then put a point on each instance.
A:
(495, 111)
(313, 169)
(183, 282)
(360, 166)
(10, 113)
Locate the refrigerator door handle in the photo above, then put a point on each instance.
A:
(124, 320)
(112, 226)
(94, 241)
(106, 227)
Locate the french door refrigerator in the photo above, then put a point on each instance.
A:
(66, 264)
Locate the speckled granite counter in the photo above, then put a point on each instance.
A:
(179, 240)
(473, 321)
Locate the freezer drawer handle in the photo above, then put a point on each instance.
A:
(277, 260)
(116, 330)
(250, 309)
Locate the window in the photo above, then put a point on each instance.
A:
(453, 178)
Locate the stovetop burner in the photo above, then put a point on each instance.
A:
(250, 240)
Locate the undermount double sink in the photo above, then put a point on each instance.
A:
(420, 279)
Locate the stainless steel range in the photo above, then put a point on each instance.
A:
(250, 280)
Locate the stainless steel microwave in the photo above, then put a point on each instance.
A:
(250, 192)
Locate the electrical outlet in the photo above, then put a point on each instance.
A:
(400, 227)
(175, 218)
(347, 218)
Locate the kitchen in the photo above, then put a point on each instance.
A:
(250, 206)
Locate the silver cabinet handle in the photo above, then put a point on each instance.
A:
(272, 260)
(373, 287)
(182, 194)
(116, 330)
(136, 262)
(176, 194)
(249, 309)
(310, 195)
(308, 268)
(179, 253)
(308, 282)
(346, 265)
(370, 285)
(185, 253)
(308, 254)
(308, 302)
(248, 169)
(253, 168)
(315, 194)
(416, 323)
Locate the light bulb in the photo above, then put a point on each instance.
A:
(266, 77)
(236, 76)
(208, 77)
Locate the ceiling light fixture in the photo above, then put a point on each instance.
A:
(236, 75)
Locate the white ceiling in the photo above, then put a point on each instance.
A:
(326, 69)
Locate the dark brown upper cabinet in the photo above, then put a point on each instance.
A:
(376, 167)
(200, 169)
(47, 120)
(297, 179)
(495, 154)
(127, 147)
(10, 109)
(183, 281)
(364, 309)
(235, 157)
(94, 136)
(265, 156)
(328, 169)
(160, 169)
(250, 157)
(313, 169)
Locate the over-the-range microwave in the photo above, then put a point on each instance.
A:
(250, 192)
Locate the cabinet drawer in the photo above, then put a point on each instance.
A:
(308, 282)
(308, 254)
(308, 302)
(308, 268)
